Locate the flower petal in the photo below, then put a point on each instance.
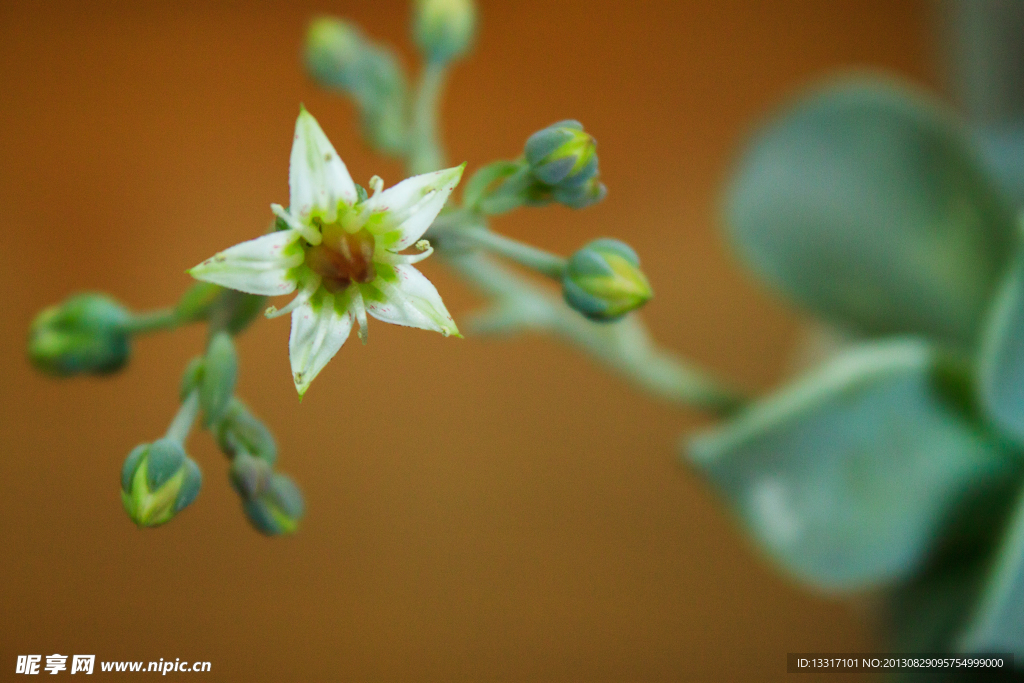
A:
(318, 331)
(259, 266)
(406, 297)
(410, 207)
(317, 177)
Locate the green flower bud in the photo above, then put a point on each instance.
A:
(444, 29)
(250, 475)
(220, 373)
(340, 57)
(239, 431)
(334, 49)
(580, 196)
(562, 154)
(157, 481)
(85, 334)
(272, 501)
(603, 281)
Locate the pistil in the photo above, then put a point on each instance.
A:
(342, 258)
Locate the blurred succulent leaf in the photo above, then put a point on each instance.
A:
(1001, 358)
(997, 624)
(847, 476)
(868, 203)
(931, 612)
(1003, 148)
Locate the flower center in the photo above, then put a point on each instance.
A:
(342, 258)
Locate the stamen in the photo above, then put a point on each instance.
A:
(360, 310)
(408, 259)
(376, 184)
(308, 233)
(307, 291)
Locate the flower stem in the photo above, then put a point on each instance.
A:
(526, 255)
(425, 152)
(625, 346)
(182, 423)
(152, 321)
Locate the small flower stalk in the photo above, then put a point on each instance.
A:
(603, 281)
(342, 253)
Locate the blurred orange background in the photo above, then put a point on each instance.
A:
(477, 509)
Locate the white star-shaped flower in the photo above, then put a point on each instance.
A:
(341, 253)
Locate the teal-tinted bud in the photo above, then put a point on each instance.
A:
(158, 481)
(444, 29)
(603, 281)
(333, 52)
(580, 196)
(250, 475)
(340, 57)
(85, 334)
(197, 302)
(220, 374)
(562, 154)
(239, 431)
(272, 501)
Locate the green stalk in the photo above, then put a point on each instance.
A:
(425, 152)
(182, 423)
(151, 321)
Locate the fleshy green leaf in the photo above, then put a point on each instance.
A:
(848, 476)
(998, 623)
(867, 203)
(1001, 360)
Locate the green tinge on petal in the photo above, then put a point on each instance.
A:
(317, 177)
(410, 207)
(264, 266)
(401, 295)
(319, 328)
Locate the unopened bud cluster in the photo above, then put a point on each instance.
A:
(91, 333)
(271, 501)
